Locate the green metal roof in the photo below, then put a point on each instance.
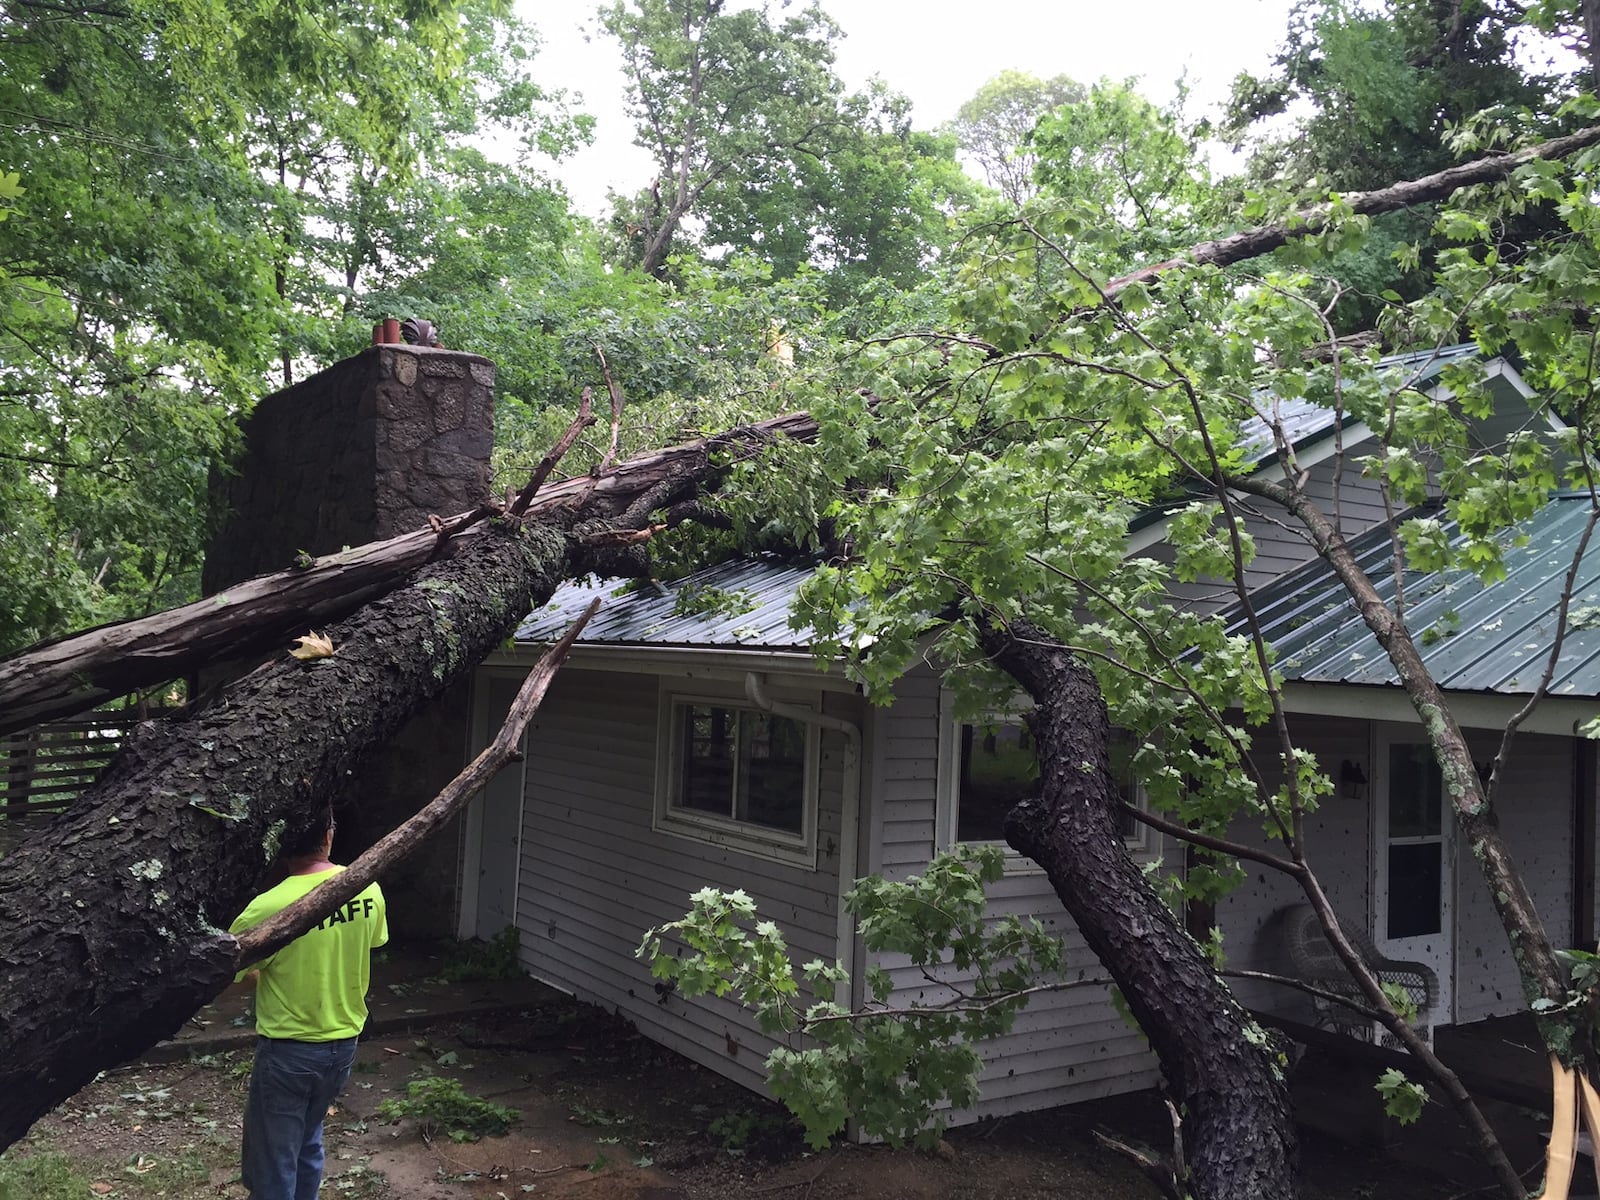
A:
(1473, 638)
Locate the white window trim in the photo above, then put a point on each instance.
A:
(759, 841)
(1141, 844)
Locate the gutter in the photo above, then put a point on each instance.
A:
(849, 833)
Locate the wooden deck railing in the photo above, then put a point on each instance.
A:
(43, 768)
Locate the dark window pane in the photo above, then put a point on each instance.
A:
(999, 766)
(772, 771)
(707, 759)
(1415, 789)
(1121, 748)
(1414, 884)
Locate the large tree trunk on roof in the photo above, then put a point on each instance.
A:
(1238, 1134)
(113, 918)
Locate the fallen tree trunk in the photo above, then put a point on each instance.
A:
(1238, 1135)
(278, 930)
(112, 919)
(71, 674)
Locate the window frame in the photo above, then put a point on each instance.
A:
(746, 837)
(947, 823)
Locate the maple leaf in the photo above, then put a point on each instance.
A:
(312, 646)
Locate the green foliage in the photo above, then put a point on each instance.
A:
(890, 1067)
(1381, 93)
(1402, 1099)
(438, 1104)
(494, 959)
(996, 127)
(751, 133)
(196, 191)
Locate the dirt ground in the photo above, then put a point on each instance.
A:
(606, 1114)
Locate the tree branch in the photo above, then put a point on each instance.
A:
(1252, 243)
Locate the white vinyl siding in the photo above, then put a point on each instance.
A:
(595, 874)
(1338, 839)
(1280, 545)
(1535, 809)
(1067, 1046)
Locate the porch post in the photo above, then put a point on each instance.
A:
(1583, 834)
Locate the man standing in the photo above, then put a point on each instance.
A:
(311, 1002)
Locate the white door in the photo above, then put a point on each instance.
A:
(1414, 857)
(494, 824)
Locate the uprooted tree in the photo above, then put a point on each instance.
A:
(111, 932)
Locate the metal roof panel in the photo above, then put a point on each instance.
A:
(752, 610)
(1473, 637)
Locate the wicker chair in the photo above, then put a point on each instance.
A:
(1312, 959)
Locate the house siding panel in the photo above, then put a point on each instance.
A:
(1534, 803)
(1066, 1046)
(1279, 548)
(595, 874)
(1535, 810)
(1338, 839)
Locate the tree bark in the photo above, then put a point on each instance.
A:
(285, 925)
(1238, 1133)
(112, 919)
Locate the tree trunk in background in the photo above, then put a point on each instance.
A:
(1238, 1132)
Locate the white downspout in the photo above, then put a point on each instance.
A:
(844, 937)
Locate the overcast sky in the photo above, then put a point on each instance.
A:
(938, 52)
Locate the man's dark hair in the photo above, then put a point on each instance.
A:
(309, 840)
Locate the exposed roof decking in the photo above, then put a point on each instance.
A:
(1472, 638)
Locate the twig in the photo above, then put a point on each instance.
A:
(1155, 1168)
(582, 421)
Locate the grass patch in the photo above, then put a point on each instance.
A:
(51, 1175)
(46, 1176)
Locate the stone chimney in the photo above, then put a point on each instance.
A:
(362, 451)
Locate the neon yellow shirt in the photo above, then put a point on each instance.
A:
(315, 988)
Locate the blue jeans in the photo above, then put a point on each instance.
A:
(291, 1086)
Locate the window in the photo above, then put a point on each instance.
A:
(999, 766)
(738, 776)
(994, 763)
(1415, 840)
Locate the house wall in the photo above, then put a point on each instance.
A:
(1066, 1046)
(1280, 548)
(1535, 808)
(594, 874)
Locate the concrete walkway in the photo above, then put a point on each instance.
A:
(406, 993)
